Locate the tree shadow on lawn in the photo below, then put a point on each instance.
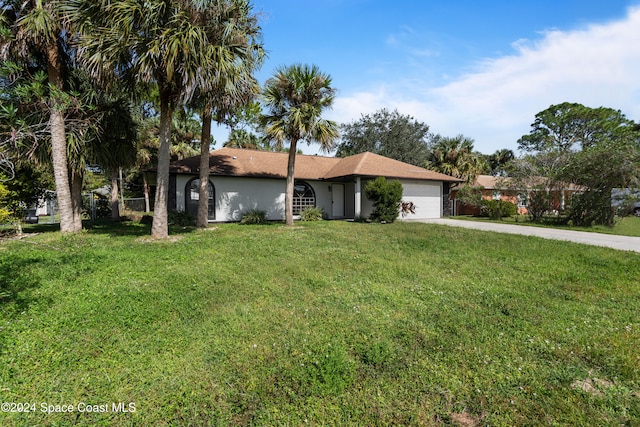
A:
(134, 228)
(16, 288)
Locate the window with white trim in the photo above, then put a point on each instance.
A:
(303, 197)
(522, 200)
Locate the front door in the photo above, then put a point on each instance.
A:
(337, 200)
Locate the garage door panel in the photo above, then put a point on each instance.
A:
(426, 197)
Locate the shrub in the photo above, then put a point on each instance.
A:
(254, 216)
(540, 203)
(591, 207)
(180, 218)
(496, 209)
(5, 214)
(311, 214)
(386, 197)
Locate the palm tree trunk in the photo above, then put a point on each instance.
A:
(115, 206)
(288, 197)
(145, 189)
(160, 226)
(76, 198)
(61, 171)
(205, 141)
(59, 159)
(59, 144)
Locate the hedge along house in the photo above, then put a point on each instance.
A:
(243, 179)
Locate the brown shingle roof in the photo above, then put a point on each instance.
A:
(267, 164)
(491, 182)
(369, 164)
(504, 182)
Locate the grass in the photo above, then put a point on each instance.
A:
(326, 323)
(627, 226)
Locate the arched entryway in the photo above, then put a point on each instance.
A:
(303, 197)
(192, 196)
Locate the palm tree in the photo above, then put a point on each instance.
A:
(37, 34)
(234, 30)
(225, 98)
(242, 138)
(455, 157)
(296, 97)
(116, 145)
(499, 161)
(163, 42)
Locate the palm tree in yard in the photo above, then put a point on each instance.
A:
(230, 92)
(455, 157)
(34, 32)
(235, 30)
(162, 42)
(295, 98)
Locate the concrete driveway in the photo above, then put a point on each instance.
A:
(624, 243)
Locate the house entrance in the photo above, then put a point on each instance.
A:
(337, 200)
(192, 196)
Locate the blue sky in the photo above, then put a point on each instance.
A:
(478, 68)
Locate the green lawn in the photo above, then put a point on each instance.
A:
(328, 323)
(627, 226)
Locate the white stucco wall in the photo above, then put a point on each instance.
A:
(323, 195)
(234, 196)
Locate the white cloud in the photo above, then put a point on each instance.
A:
(495, 104)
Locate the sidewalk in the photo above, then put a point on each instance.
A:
(624, 243)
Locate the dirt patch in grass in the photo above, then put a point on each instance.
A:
(465, 419)
(593, 386)
(149, 239)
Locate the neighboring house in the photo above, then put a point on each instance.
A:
(45, 206)
(502, 188)
(243, 179)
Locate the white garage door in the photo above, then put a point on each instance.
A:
(426, 196)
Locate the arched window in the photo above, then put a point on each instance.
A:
(192, 195)
(303, 197)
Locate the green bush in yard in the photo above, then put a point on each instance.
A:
(386, 197)
(496, 209)
(254, 216)
(5, 214)
(591, 207)
(311, 214)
